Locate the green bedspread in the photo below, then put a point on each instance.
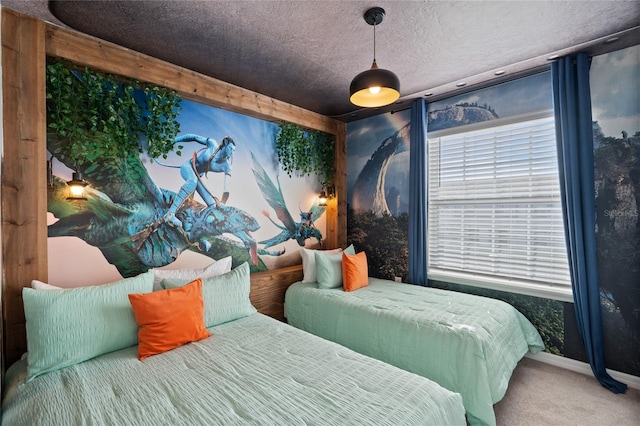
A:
(468, 344)
(252, 371)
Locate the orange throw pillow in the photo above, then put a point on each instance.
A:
(169, 318)
(355, 273)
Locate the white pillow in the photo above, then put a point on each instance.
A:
(216, 268)
(309, 263)
(39, 285)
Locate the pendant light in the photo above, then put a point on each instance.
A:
(375, 87)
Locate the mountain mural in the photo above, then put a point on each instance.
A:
(458, 115)
(617, 190)
(368, 192)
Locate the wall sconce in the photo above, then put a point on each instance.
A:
(327, 193)
(77, 186)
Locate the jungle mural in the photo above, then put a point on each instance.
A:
(616, 135)
(210, 195)
(378, 192)
(377, 200)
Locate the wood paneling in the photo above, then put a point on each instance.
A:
(24, 193)
(268, 289)
(336, 213)
(25, 44)
(110, 58)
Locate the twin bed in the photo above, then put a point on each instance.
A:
(468, 344)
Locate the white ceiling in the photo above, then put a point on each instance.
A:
(306, 52)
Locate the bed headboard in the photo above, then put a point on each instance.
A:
(267, 295)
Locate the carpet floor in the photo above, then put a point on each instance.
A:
(543, 394)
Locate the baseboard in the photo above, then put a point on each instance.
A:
(582, 367)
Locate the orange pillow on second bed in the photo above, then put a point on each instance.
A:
(355, 272)
(169, 318)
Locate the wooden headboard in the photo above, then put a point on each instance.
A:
(26, 43)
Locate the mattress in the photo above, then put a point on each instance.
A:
(468, 344)
(252, 371)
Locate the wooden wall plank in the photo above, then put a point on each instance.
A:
(24, 193)
(111, 58)
(336, 214)
(339, 232)
(268, 289)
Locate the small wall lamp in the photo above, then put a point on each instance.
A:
(77, 186)
(326, 194)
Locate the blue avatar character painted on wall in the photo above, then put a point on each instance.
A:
(215, 158)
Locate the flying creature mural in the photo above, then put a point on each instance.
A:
(138, 225)
(99, 125)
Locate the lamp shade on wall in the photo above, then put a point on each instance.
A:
(375, 87)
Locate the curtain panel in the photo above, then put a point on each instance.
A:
(418, 194)
(574, 134)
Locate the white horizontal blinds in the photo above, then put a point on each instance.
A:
(494, 210)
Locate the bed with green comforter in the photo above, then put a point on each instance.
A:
(468, 344)
(251, 371)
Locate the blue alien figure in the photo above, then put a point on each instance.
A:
(215, 158)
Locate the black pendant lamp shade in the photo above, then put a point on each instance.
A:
(375, 87)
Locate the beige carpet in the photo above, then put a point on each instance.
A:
(542, 394)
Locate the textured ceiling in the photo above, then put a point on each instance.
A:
(306, 52)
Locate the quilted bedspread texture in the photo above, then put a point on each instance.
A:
(252, 371)
(468, 344)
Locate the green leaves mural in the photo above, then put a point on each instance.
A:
(105, 117)
(303, 152)
(387, 257)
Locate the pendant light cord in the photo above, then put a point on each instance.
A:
(374, 42)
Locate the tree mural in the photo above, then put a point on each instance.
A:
(103, 126)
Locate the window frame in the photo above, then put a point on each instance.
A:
(560, 292)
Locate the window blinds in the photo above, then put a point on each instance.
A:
(494, 209)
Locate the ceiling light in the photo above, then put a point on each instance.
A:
(375, 87)
(552, 57)
(461, 84)
(611, 39)
(500, 72)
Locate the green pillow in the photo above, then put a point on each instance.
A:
(69, 326)
(329, 268)
(226, 296)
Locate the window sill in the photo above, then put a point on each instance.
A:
(561, 294)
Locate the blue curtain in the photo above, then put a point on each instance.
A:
(574, 133)
(418, 194)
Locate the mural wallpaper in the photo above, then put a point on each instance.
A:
(219, 192)
(378, 192)
(615, 94)
(616, 113)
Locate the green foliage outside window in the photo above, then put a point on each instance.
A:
(91, 116)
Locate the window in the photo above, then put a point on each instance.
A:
(495, 218)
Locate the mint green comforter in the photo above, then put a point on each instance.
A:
(252, 371)
(468, 344)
